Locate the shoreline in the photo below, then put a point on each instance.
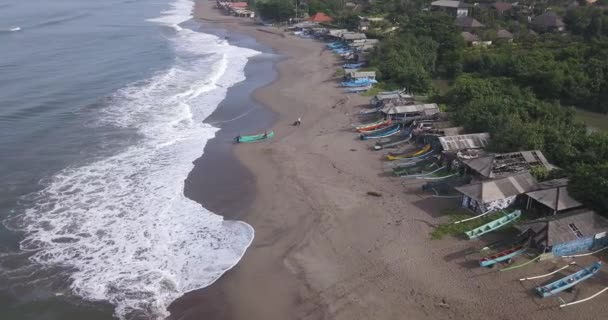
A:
(323, 248)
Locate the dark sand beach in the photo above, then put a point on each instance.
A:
(324, 249)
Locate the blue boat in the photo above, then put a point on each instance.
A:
(358, 82)
(336, 44)
(358, 89)
(569, 281)
(394, 129)
(353, 65)
(506, 255)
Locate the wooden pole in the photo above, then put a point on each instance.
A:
(556, 201)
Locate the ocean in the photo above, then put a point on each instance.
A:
(101, 117)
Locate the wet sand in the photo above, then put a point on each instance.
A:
(324, 249)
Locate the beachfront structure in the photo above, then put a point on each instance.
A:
(396, 99)
(454, 8)
(352, 36)
(354, 75)
(548, 22)
(567, 234)
(470, 38)
(497, 194)
(467, 23)
(238, 9)
(501, 7)
(320, 17)
(496, 165)
(504, 35)
(365, 44)
(410, 112)
(335, 34)
(551, 198)
(454, 144)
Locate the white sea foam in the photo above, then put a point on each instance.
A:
(122, 223)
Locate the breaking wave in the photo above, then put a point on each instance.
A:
(122, 223)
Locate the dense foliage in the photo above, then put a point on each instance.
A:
(424, 47)
(575, 73)
(276, 10)
(516, 92)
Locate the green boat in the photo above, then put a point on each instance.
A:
(493, 225)
(255, 138)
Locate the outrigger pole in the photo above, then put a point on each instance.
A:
(583, 300)
(548, 274)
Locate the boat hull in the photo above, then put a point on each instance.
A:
(493, 225)
(255, 138)
(569, 281)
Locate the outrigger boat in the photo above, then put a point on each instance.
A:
(369, 111)
(426, 150)
(254, 138)
(377, 128)
(394, 142)
(569, 281)
(352, 65)
(372, 125)
(386, 132)
(358, 89)
(493, 225)
(506, 255)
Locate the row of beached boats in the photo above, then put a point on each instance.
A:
(421, 163)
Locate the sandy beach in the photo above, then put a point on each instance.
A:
(324, 249)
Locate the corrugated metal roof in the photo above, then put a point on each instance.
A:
(492, 190)
(337, 32)
(495, 165)
(548, 196)
(362, 74)
(427, 108)
(446, 3)
(353, 36)
(465, 141)
(559, 229)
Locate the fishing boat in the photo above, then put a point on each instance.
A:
(506, 255)
(569, 281)
(371, 124)
(426, 150)
(369, 111)
(376, 128)
(358, 82)
(254, 138)
(426, 167)
(387, 132)
(352, 65)
(358, 89)
(493, 225)
(394, 142)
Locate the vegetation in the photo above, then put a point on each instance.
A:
(276, 10)
(522, 93)
(451, 229)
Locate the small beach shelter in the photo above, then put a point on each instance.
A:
(495, 194)
(570, 233)
(320, 17)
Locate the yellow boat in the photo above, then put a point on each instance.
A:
(422, 151)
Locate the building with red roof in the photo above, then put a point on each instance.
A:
(320, 17)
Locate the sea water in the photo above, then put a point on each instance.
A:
(101, 113)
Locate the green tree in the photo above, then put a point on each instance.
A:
(589, 184)
(277, 10)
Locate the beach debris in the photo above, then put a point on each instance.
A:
(353, 149)
(374, 194)
(444, 304)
